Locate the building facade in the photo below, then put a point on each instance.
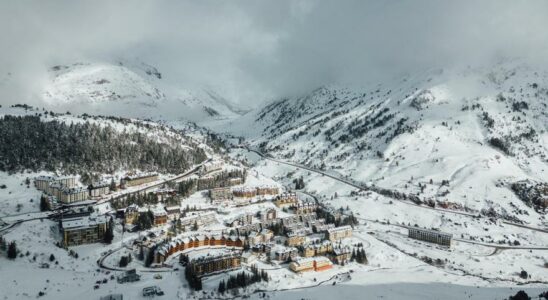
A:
(99, 189)
(338, 233)
(221, 193)
(138, 179)
(431, 236)
(84, 230)
(211, 264)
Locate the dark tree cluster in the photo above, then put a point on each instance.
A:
(28, 142)
(109, 234)
(139, 199)
(125, 260)
(145, 220)
(243, 279)
(359, 255)
(299, 183)
(194, 281)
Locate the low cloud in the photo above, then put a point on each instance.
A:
(253, 51)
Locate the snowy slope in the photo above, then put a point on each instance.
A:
(461, 136)
(131, 89)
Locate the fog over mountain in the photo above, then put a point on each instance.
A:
(252, 52)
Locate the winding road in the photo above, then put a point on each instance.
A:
(357, 185)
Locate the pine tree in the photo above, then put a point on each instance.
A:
(44, 203)
(112, 186)
(109, 233)
(12, 250)
(222, 287)
(52, 258)
(141, 255)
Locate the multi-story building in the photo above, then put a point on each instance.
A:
(431, 236)
(42, 182)
(268, 215)
(322, 248)
(99, 189)
(244, 192)
(267, 190)
(235, 181)
(160, 216)
(305, 207)
(211, 166)
(264, 236)
(54, 189)
(222, 193)
(131, 214)
(286, 200)
(83, 230)
(341, 255)
(283, 254)
(72, 194)
(248, 258)
(173, 212)
(317, 264)
(200, 219)
(138, 179)
(338, 233)
(68, 181)
(211, 264)
(295, 239)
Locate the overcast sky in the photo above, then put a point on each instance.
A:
(257, 50)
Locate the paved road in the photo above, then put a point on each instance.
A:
(359, 186)
(44, 215)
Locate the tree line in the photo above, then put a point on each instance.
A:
(30, 143)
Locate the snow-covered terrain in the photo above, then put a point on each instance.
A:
(455, 136)
(437, 150)
(129, 88)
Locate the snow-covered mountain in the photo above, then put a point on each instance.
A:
(458, 136)
(131, 89)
